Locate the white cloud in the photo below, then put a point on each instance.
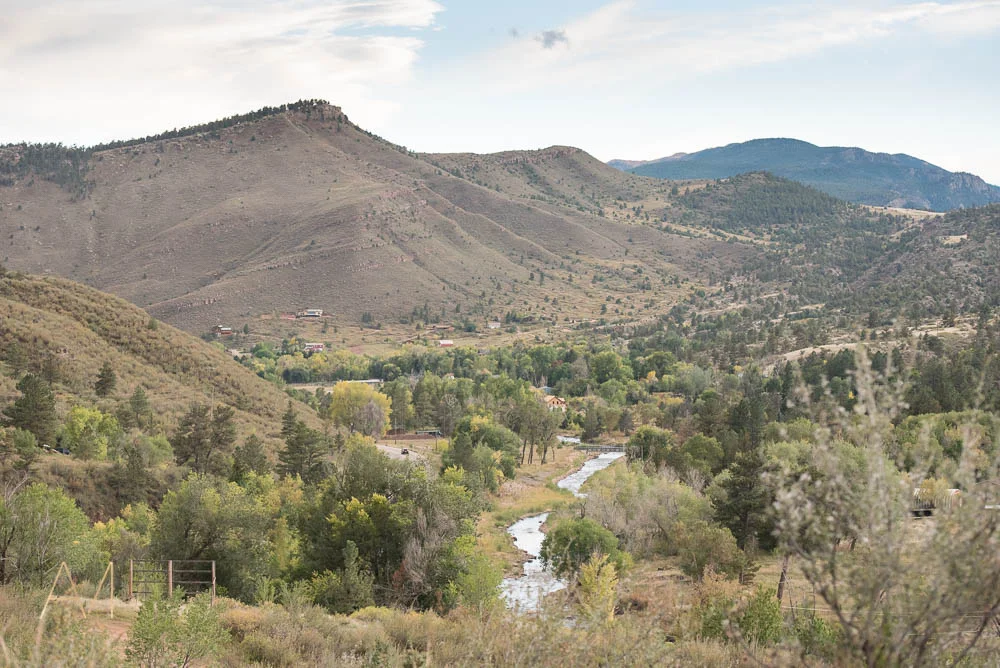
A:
(102, 69)
(624, 41)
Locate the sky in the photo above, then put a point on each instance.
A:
(635, 79)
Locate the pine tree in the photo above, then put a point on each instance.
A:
(106, 381)
(138, 405)
(205, 438)
(304, 454)
(746, 508)
(249, 458)
(288, 421)
(35, 409)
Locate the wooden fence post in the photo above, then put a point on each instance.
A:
(213, 582)
(131, 577)
(170, 578)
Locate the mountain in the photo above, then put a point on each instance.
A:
(297, 207)
(848, 173)
(72, 330)
(628, 165)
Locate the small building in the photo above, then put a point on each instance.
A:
(493, 324)
(555, 403)
(223, 332)
(310, 313)
(445, 343)
(314, 348)
(370, 382)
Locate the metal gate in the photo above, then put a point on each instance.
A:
(189, 575)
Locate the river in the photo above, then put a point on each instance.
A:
(526, 591)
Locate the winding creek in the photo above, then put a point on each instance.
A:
(525, 592)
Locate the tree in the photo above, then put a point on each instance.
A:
(700, 545)
(106, 381)
(598, 581)
(136, 412)
(304, 455)
(486, 451)
(358, 407)
(88, 432)
(205, 438)
(745, 510)
(348, 589)
(35, 409)
(571, 543)
(288, 420)
(400, 400)
(249, 458)
(209, 518)
(41, 527)
(650, 444)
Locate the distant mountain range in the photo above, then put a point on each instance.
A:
(849, 173)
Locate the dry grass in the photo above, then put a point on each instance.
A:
(82, 328)
(291, 212)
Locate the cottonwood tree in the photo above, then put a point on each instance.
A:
(358, 407)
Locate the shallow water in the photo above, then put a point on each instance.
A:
(526, 592)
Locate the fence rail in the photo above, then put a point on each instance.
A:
(599, 448)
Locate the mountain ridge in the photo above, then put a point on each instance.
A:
(851, 173)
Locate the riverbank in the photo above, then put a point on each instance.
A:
(533, 491)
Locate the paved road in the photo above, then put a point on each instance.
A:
(397, 453)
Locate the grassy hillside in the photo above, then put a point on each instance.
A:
(848, 173)
(73, 330)
(301, 208)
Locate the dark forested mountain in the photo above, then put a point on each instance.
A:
(848, 173)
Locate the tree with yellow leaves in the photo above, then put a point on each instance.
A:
(358, 407)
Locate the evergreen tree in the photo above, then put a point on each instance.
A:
(249, 458)
(138, 405)
(746, 508)
(16, 360)
(35, 409)
(106, 381)
(288, 421)
(304, 454)
(205, 438)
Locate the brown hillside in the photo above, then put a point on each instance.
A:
(81, 328)
(303, 209)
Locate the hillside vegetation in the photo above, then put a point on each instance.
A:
(849, 173)
(67, 332)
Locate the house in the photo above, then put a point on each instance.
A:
(310, 313)
(554, 403)
(223, 332)
(495, 324)
(313, 348)
(445, 343)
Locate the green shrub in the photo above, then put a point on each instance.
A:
(571, 543)
(760, 619)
